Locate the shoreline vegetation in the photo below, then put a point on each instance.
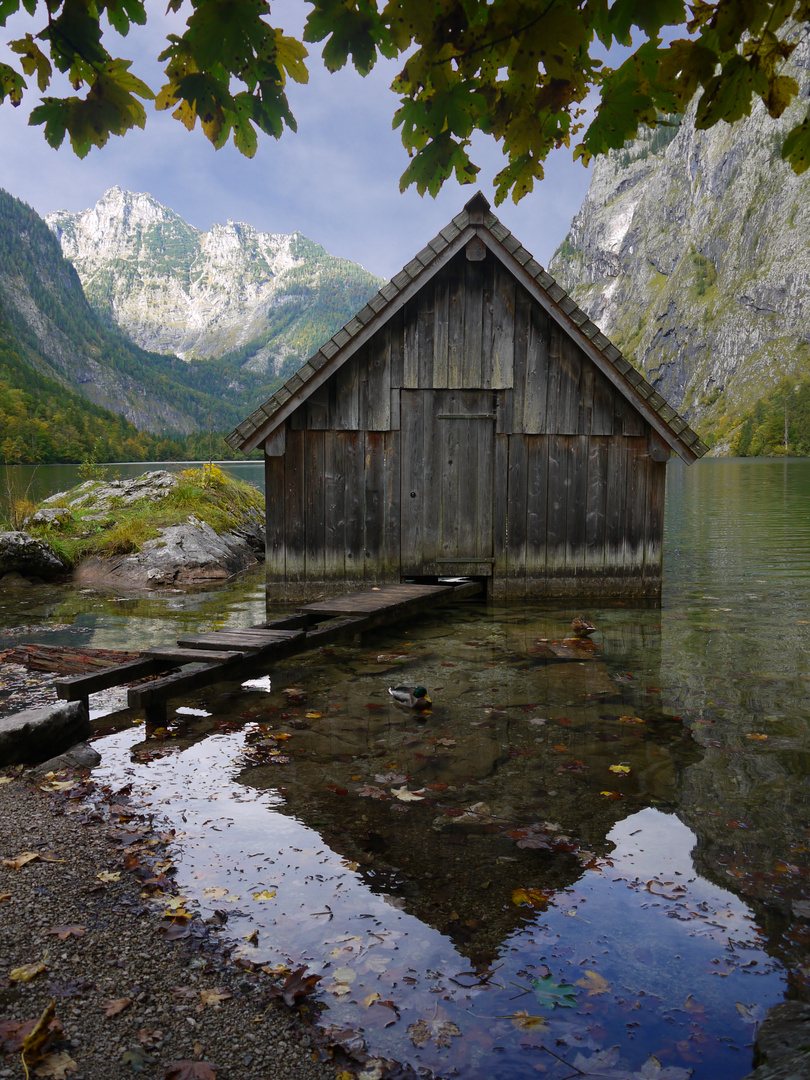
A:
(93, 520)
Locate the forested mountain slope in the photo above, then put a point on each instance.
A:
(692, 253)
(261, 300)
(49, 329)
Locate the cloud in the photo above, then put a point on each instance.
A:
(336, 181)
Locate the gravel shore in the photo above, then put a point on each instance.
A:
(140, 989)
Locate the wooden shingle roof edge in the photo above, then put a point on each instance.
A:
(476, 219)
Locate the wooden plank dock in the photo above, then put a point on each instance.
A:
(202, 659)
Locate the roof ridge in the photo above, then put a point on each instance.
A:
(477, 213)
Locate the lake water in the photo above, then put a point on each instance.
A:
(597, 867)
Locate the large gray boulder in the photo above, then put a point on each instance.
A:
(189, 554)
(782, 1049)
(37, 734)
(21, 553)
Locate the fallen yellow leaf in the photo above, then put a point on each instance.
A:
(35, 1041)
(21, 860)
(619, 768)
(594, 983)
(58, 785)
(215, 892)
(6, 779)
(265, 894)
(369, 1000)
(215, 996)
(752, 735)
(524, 1022)
(27, 972)
(109, 875)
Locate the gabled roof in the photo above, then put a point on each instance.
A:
(475, 219)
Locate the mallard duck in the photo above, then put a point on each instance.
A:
(416, 698)
(582, 627)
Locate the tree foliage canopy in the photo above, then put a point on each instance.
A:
(522, 71)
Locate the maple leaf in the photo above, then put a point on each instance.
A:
(116, 1006)
(215, 892)
(594, 983)
(215, 996)
(441, 1032)
(191, 1070)
(64, 932)
(554, 995)
(404, 795)
(265, 894)
(297, 985)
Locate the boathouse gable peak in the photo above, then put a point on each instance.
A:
(355, 379)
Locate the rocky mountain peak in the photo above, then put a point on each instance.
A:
(232, 289)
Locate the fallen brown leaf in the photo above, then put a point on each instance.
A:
(64, 932)
(33, 1046)
(190, 1070)
(56, 1066)
(215, 996)
(116, 1006)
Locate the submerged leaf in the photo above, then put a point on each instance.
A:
(523, 1021)
(554, 995)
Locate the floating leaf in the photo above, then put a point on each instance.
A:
(619, 768)
(215, 892)
(265, 894)
(523, 1021)
(440, 1032)
(404, 795)
(538, 898)
(594, 983)
(553, 995)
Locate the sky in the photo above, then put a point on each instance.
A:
(336, 180)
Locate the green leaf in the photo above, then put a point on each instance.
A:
(433, 165)
(552, 995)
(123, 12)
(353, 28)
(728, 95)
(53, 113)
(34, 60)
(796, 148)
(648, 15)
(12, 84)
(290, 57)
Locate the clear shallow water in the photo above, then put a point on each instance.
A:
(649, 807)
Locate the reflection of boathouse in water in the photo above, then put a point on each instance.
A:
(469, 420)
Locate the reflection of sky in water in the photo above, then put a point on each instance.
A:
(656, 957)
(719, 676)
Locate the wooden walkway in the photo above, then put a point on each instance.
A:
(225, 654)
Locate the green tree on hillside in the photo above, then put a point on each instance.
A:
(518, 70)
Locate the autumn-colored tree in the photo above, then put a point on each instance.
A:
(518, 70)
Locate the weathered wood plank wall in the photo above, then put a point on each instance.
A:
(470, 435)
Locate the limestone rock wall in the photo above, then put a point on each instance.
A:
(692, 255)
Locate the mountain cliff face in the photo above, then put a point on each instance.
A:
(267, 301)
(691, 253)
(52, 330)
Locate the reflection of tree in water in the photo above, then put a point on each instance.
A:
(512, 768)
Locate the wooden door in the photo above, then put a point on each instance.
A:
(447, 470)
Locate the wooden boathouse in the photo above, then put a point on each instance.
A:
(470, 420)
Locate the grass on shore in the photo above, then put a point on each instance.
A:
(205, 493)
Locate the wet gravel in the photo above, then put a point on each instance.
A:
(186, 1010)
